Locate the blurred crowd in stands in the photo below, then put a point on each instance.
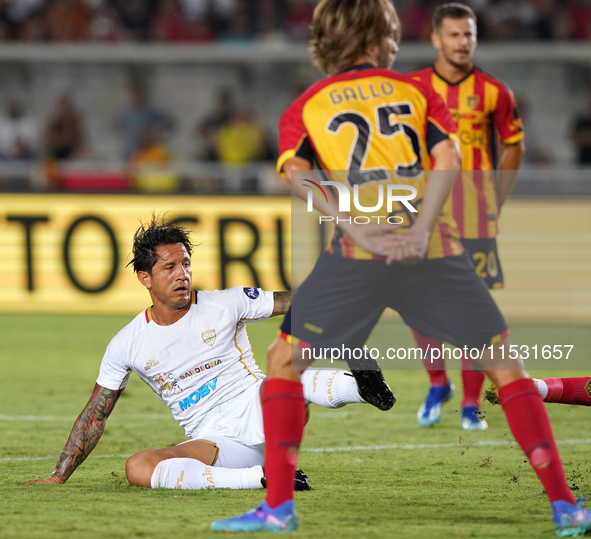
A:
(242, 21)
(228, 135)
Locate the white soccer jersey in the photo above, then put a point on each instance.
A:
(196, 363)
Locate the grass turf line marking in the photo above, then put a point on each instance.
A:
(404, 447)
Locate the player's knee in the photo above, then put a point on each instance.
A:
(279, 361)
(540, 456)
(138, 471)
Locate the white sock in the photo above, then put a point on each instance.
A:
(186, 473)
(542, 387)
(331, 388)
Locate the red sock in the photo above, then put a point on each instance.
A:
(472, 381)
(436, 368)
(531, 429)
(569, 390)
(284, 415)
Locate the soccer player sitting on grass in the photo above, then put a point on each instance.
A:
(192, 349)
(385, 131)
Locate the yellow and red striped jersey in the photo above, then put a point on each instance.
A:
(371, 127)
(479, 104)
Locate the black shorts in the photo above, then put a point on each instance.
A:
(483, 252)
(342, 299)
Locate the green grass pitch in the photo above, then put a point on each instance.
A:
(374, 474)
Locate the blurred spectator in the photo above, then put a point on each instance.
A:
(574, 20)
(234, 21)
(510, 19)
(33, 28)
(18, 134)
(136, 17)
(214, 13)
(5, 21)
(150, 149)
(168, 24)
(137, 115)
(298, 18)
(239, 30)
(207, 129)
(63, 130)
(104, 24)
(19, 10)
(535, 154)
(270, 21)
(67, 20)
(581, 134)
(241, 141)
(415, 18)
(198, 31)
(150, 165)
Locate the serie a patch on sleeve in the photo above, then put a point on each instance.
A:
(252, 293)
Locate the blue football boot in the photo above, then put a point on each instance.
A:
(279, 520)
(430, 411)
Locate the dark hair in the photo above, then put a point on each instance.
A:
(151, 235)
(452, 10)
(343, 30)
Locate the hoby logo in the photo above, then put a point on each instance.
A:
(344, 198)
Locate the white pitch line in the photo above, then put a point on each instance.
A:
(414, 447)
(403, 447)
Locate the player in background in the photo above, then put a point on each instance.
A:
(192, 349)
(367, 120)
(482, 107)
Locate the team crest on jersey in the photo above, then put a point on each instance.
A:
(151, 364)
(208, 337)
(252, 293)
(473, 101)
(588, 388)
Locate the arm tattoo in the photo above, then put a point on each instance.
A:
(281, 302)
(87, 431)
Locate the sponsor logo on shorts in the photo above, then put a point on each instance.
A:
(196, 396)
(201, 368)
(252, 293)
(179, 479)
(209, 477)
(209, 337)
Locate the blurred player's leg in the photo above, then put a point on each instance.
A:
(566, 390)
(472, 382)
(284, 416)
(284, 413)
(530, 426)
(441, 389)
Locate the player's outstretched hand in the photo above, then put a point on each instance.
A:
(51, 480)
(409, 248)
(373, 237)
